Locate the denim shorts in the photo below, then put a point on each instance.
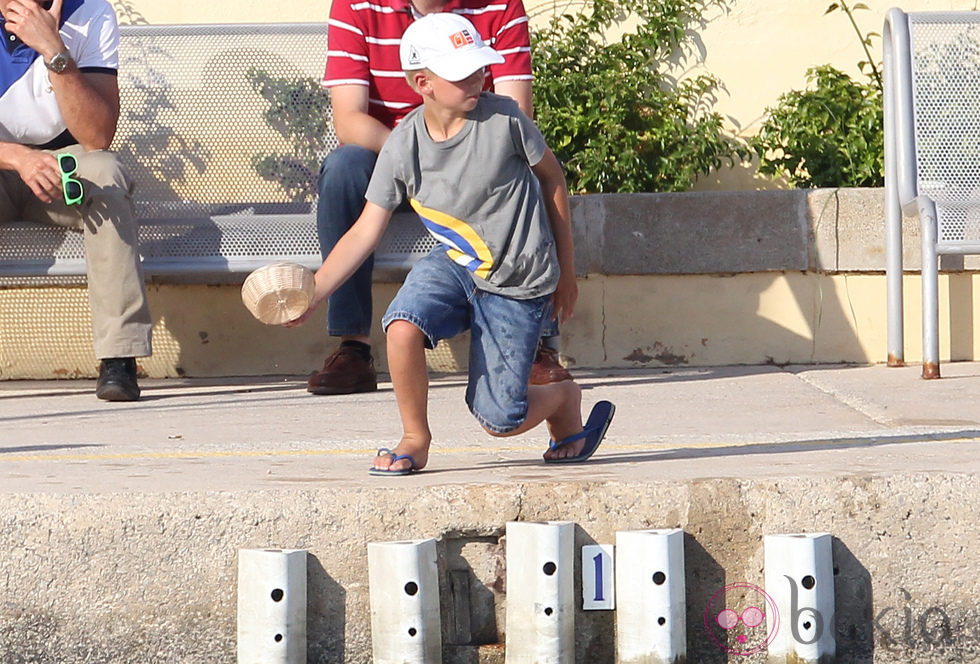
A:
(441, 299)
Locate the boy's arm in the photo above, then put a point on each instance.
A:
(555, 191)
(347, 255)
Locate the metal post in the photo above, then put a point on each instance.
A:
(651, 618)
(930, 291)
(540, 592)
(893, 206)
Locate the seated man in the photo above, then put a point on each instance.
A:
(59, 95)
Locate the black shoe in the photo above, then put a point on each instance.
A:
(117, 380)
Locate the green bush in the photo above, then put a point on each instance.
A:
(611, 113)
(829, 135)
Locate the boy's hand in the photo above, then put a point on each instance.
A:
(302, 319)
(314, 303)
(564, 298)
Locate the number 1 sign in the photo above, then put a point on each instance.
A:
(598, 589)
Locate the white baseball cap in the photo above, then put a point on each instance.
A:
(447, 45)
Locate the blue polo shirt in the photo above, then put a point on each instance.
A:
(29, 113)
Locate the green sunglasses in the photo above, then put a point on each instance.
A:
(71, 187)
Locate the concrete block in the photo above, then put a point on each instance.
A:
(540, 593)
(405, 614)
(800, 579)
(271, 606)
(700, 233)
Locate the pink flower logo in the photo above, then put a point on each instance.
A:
(741, 619)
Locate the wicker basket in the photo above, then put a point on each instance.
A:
(278, 293)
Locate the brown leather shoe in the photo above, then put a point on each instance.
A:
(344, 372)
(546, 368)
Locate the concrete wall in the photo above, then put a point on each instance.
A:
(704, 278)
(142, 578)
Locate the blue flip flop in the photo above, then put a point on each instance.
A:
(394, 458)
(594, 431)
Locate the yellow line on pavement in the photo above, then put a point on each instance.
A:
(221, 454)
(647, 447)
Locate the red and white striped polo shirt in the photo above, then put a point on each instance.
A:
(363, 47)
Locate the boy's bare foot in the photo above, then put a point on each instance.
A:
(415, 447)
(567, 422)
(570, 450)
(581, 446)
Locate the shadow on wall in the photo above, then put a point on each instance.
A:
(326, 616)
(961, 318)
(854, 600)
(704, 577)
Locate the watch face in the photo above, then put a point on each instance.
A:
(58, 63)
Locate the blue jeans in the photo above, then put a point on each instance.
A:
(343, 181)
(440, 298)
(344, 178)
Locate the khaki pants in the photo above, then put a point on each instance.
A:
(121, 323)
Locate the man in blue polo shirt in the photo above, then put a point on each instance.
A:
(59, 94)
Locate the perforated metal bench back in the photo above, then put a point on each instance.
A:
(194, 120)
(945, 50)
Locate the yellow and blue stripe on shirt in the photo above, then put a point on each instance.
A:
(466, 248)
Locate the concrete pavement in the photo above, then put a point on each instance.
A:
(264, 433)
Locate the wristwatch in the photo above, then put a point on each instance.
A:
(59, 62)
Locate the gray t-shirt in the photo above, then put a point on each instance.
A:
(476, 194)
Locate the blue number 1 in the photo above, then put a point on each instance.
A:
(598, 578)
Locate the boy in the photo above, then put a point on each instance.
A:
(481, 178)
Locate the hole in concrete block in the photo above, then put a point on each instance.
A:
(659, 578)
(278, 638)
(411, 588)
(661, 621)
(412, 631)
(550, 568)
(548, 611)
(277, 595)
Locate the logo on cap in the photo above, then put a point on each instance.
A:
(461, 38)
(413, 56)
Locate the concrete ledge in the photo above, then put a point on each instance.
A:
(691, 233)
(822, 230)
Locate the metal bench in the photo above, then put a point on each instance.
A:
(932, 155)
(223, 128)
